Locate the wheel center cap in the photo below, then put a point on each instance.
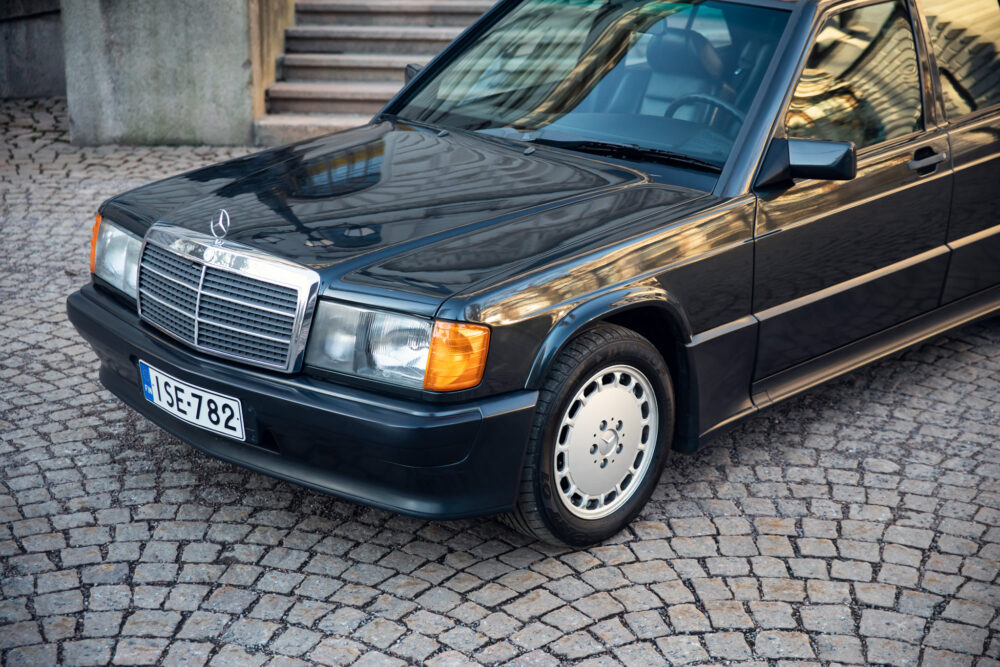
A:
(609, 440)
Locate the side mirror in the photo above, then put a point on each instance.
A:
(788, 159)
(411, 71)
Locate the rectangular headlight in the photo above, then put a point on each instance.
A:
(401, 349)
(370, 343)
(114, 256)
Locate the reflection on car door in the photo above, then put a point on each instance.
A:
(837, 261)
(965, 40)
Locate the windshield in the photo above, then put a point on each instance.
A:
(676, 78)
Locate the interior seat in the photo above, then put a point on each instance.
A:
(681, 63)
(753, 61)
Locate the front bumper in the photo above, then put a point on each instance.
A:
(435, 461)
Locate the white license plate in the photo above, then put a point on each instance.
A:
(207, 409)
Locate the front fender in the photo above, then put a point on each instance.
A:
(602, 307)
(654, 313)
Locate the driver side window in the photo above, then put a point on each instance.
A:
(861, 82)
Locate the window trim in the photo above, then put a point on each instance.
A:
(775, 120)
(930, 120)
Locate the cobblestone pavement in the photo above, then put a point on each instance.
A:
(860, 523)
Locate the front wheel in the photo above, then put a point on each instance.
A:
(603, 425)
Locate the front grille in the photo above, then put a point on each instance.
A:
(220, 311)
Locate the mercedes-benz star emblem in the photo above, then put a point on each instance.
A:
(220, 224)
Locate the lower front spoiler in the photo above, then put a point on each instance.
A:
(427, 460)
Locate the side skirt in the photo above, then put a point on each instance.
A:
(781, 386)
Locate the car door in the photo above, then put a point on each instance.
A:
(838, 261)
(965, 43)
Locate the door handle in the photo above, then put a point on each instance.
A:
(929, 161)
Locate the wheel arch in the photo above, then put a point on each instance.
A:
(653, 314)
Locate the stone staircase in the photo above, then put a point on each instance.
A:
(344, 60)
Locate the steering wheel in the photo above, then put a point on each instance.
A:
(697, 98)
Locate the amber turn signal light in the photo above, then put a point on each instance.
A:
(93, 243)
(458, 356)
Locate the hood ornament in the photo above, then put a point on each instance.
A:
(220, 225)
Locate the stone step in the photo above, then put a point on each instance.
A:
(330, 97)
(389, 12)
(346, 66)
(279, 129)
(368, 39)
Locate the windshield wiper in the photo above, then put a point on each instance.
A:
(632, 152)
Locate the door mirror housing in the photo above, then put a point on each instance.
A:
(411, 71)
(788, 159)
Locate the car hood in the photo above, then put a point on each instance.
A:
(402, 212)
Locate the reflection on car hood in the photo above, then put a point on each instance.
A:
(392, 206)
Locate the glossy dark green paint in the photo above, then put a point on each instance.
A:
(752, 293)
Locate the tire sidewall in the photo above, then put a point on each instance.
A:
(574, 530)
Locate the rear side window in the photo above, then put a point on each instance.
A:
(862, 81)
(965, 35)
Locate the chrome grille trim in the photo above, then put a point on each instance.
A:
(273, 339)
(226, 299)
(241, 302)
(164, 302)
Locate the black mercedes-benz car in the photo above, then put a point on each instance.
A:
(587, 233)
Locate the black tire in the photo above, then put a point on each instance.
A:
(539, 512)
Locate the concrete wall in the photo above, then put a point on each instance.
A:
(31, 49)
(169, 72)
